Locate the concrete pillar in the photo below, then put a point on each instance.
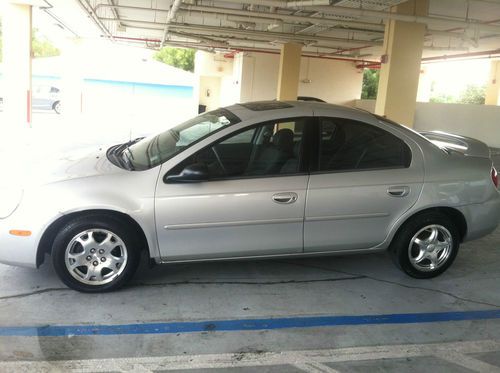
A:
(16, 27)
(493, 88)
(400, 71)
(73, 60)
(289, 72)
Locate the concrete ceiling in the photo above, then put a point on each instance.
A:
(338, 29)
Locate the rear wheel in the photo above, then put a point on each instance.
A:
(426, 245)
(95, 254)
(57, 107)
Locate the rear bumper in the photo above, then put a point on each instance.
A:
(482, 219)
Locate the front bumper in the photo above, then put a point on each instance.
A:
(19, 250)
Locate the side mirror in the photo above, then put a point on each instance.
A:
(193, 173)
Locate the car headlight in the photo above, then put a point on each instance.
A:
(9, 200)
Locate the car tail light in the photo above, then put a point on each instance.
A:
(494, 176)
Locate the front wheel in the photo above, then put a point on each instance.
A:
(426, 245)
(95, 254)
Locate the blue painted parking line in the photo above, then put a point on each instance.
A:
(246, 324)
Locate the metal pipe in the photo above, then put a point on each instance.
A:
(130, 7)
(428, 20)
(271, 36)
(277, 16)
(91, 12)
(213, 43)
(494, 53)
(360, 12)
(170, 17)
(259, 17)
(294, 4)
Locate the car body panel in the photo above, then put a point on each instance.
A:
(353, 209)
(236, 217)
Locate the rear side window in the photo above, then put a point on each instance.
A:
(347, 144)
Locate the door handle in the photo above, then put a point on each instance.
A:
(398, 191)
(285, 198)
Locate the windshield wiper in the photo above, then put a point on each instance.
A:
(122, 154)
(127, 157)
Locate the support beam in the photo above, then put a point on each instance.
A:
(288, 78)
(400, 72)
(16, 27)
(493, 88)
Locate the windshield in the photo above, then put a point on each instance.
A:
(154, 150)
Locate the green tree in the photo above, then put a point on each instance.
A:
(443, 99)
(178, 57)
(41, 47)
(473, 94)
(370, 84)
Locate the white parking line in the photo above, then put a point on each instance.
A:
(314, 367)
(469, 362)
(308, 360)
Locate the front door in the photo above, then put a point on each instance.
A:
(251, 204)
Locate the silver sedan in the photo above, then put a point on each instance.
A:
(255, 180)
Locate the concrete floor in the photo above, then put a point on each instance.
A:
(350, 285)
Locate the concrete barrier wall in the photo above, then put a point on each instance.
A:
(478, 121)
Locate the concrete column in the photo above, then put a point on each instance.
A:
(73, 59)
(16, 27)
(493, 88)
(400, 71)
(288, 78)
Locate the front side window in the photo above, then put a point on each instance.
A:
(269, 149)
(154, 150)
(347, 144)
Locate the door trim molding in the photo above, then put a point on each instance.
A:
(346, 217)
(239, 223)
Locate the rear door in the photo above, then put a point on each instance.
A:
(365, 178)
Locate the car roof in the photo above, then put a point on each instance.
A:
(250, 110)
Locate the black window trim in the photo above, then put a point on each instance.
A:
(305, 166)
(314, 170)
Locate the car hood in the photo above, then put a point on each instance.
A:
(77, 164)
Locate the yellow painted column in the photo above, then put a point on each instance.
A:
(16, 27)
(493, 88)
(400, 71)
(289, 72)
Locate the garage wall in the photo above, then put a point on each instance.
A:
(333, 81)
(210, 87)
(478, 121)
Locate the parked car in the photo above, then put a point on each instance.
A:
(308, 98)
(44, 97)
(256, 180)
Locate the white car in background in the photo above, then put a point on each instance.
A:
(44, 97)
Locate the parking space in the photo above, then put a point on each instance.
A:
(281, 315)
(269, 169)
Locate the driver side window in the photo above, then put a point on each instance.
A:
(269, 149)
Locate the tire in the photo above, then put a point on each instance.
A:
(426, 245)
(57, 107)
(95, 254)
